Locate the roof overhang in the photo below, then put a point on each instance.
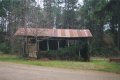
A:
(57, 33)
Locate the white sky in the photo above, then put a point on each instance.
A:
(41, 2)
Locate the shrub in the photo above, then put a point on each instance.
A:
(4, 48)
(105, 52)
(67, 53)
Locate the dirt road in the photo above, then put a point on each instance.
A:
(12, 71)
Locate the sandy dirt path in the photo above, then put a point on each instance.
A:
(12, 71)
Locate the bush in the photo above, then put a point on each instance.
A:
(105, 52)
(67, 53)
(4, 48)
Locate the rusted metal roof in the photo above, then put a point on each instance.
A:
(43, 32)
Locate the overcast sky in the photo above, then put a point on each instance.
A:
(41, 2)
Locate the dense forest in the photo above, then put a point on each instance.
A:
(100, 16)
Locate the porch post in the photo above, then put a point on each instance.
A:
(68, 43)
(38, 46)
(58, 44)
(37, 49)
(79, 53)
(48, 45)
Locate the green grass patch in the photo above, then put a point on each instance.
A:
(95, 64)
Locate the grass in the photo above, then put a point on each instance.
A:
(95, 64)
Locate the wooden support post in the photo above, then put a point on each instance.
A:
(68, 43)
(58, 44)
(79, 53)
(75, 42)
(88, 46)
(48, 45)
(38, 46)
(37, 49)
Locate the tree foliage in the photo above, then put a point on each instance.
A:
(92, 14)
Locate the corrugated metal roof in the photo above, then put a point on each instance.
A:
(43, 32)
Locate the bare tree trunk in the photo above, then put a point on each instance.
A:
(23, 22)
(118, 35)
(10, 33)
(100, 32)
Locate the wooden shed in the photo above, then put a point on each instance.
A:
(42, 39)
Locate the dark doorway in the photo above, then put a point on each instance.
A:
(53, 44)
(43, 45)
(62, 43)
